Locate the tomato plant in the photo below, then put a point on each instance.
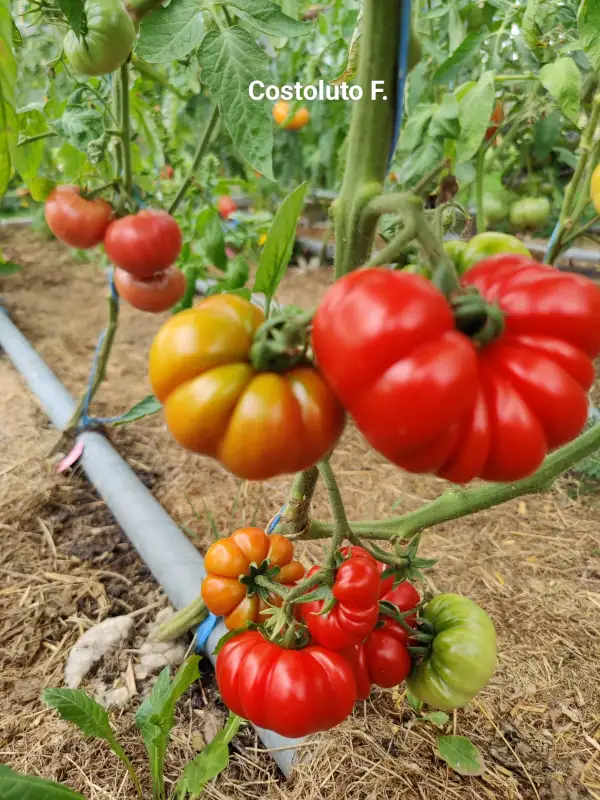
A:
(248, 552)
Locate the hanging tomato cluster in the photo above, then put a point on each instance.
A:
(356, 634)
(143, 246)
(482, 385)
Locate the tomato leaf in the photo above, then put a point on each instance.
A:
(461, 755)
(318, 593)
(588, 23)
(170, 32)
(474, 111)
(80, 126)
(8, 76)
(275, 255)
(562, 80)
(210, 762)
(546, 133)
(145, 408)
(230, 60)
(208, 227)
(14, 786)
(444, 123)
(29, 157)
(353, 54)
(75, 13)
(531, 30)
(414, 702)
(8, 267)
(453, 65)
(267, 17)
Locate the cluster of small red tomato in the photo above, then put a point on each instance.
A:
(143, 246)
(297, 691)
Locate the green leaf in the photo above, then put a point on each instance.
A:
(546, 133)
(416, 167)
(444, 123)
(80, 126)
(155, 700)
(208, 227)
(566, 156)
(414, 702)
(353, 54)
(267, 17)
(453, 65)
(14, 786)
(460, 754)
(76, 706)
(8, 76)
(29, 157)
(455, 28)
(17, 36)
(414, 130)
(531, 30)
(145, 408)
(588, 23)
(474, 113)
(74, 12)
(562, 80)
(210, 762)
(170, 33)
(9, 268)
(230, 60)
(437, 717)
(238, 272)
(275, 255)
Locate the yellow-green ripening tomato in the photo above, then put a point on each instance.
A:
(108, 41)
(462, 657)
(491, 243)
(455, 249)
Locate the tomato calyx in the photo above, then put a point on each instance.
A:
(423, 634)
(281, 343)
(262, 580)
(476, 318)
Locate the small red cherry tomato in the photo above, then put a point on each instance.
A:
(226, 206)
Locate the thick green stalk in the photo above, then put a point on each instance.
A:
(117, 111)
(566, 221)
(341, 527)
(200, 151)
(371, 134)
(296, 514)
(480, 218)
(123, 80)
(455, 503)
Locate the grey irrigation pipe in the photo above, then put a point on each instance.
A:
(173, 560)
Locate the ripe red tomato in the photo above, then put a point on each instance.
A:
(143, 243)
(356, 588)
(292, 692)
(226, 206)
(155, 294)
(426, 398)
(228, 559)
(74, 220)
(167, 171)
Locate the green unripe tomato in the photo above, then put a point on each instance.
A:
(494, 209)
(455, 249)
(530, 213)
(489, 244)
(462, 657)
(108, 41)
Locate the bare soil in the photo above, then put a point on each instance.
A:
(534, 564)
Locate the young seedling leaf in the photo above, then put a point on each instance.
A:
(461, 755)
(145, 408)
(210, 762)
(155, 700)
(267, 17)
(414, 702)
(437, 717)
(276, 253)
(230, 60)
(14, 786)
(8, 268)
(170, 32)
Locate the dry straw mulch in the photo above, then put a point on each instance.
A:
(534, 564)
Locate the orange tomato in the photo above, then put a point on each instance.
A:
(281, 112)
(228, 560)
(496, 119)
(155, 294)
(257, 424)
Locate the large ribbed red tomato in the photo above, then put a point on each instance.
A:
(292, 692)
(429, 400)
(356, 589)
(144, 243)
(76, 221)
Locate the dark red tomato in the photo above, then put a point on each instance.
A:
(226, 206)
(155, 294)
(383, 659)
(356, 588)
(144, 243)
(428, 400)
(76, 221)
(292, 692)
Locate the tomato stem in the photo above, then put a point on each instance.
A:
(295, 516)
(123, 80)
(479, 174)
(181, 622)
(457, 502)
(199, 154)
(341, 527)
